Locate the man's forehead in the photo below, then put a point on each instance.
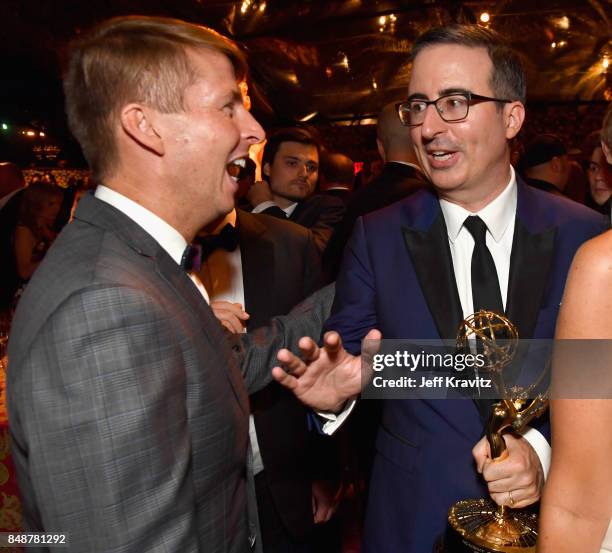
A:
(449, 66)
(297, 149)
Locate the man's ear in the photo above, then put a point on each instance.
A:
(381, 150)
(266, 169)
(555, 164)
(138, 122)
(514, 114)
(607, 152)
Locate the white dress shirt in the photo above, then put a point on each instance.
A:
(265, 205)
(499, 216)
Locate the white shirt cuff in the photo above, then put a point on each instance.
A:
(335, 421)
(263, 205)
(540, 446)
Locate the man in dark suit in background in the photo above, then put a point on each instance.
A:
(337, 176)
(268, 266)
(545, 164)
(400, 177)
(290, 169)
(129, 409)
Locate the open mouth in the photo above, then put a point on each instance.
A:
(441, 156)
(237, 168)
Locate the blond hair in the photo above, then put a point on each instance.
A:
(132, 59)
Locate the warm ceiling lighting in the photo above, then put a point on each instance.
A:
(553, 45)
(374, 84)
(562, 22)
(392, 17)
(41, 134)
(262, 7)
(382, 19)
(605, 63)
(31, 133)
(485, 17)
(308, 117)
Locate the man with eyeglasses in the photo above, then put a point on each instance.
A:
(481, 239)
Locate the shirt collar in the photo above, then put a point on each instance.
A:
(170, 239)
(497, 215)
(289, 209)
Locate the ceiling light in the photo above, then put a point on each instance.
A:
(308, 117)
(485, 17)
(562, 22)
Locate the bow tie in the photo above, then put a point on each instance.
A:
(226, 239)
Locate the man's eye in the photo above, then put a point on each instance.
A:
(418, 107)
(291, 163)
(311, 168)
(455, 103)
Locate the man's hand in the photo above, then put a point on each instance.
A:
(326, 377)
(231, 315)
(517, 479)
(326, 496)
(259, 193)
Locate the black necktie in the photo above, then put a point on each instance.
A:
(226, 239)
(485, 284)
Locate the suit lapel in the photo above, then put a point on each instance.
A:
(433, 265)
(257, 256)
(531, 261)
(213, 332)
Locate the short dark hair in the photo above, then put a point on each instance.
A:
(339, 168)
(132, 59)
(289, 134)
(507, 79)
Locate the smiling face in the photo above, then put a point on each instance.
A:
(467, 161)
(214, 130)
(293, 172)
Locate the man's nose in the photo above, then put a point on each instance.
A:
(433, 124)
(252, 131)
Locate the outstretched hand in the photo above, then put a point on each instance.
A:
(326, 377)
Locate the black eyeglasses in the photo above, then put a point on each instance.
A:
(451, 107)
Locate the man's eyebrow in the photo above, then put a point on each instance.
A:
(297, 158)
(232, 96)
(443, 92)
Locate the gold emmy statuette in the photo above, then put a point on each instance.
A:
(479, 524)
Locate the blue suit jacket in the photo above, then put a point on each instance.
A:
(397, 276)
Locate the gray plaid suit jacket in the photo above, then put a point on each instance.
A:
(128, 409)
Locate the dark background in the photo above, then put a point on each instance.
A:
(330, 62)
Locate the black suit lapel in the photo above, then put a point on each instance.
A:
(257, 256)
(530, 266)
(433, 264)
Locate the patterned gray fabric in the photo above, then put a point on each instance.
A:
(128, 410)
